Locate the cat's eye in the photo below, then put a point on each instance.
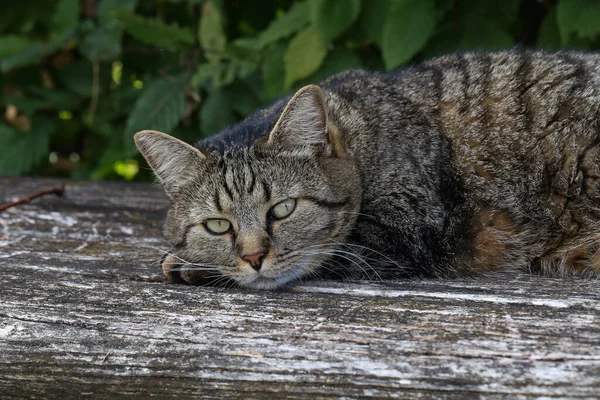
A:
(283, 209)
(217, 226)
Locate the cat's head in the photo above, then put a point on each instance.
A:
(263, 215)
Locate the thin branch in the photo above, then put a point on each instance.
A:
(57, 190)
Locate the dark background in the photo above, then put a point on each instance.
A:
(79, 77)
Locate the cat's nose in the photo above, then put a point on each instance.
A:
(255, 259)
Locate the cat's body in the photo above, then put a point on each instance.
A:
(467, 163)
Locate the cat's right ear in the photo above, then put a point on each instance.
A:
(304, 122)
(171, 159)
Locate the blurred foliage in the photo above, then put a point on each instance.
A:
(79, 77)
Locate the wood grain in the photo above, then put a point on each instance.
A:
(85, 314)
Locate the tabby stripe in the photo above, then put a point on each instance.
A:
(266, 191)
(218, 201)
(225, 185)
(237, 179)
(438, 77)
(183, 242)
(327, 203)
(466, 78)
(487, 81)
(252, 181)
(523, 77)
(580, 82)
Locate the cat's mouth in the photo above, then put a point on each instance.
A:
(265, 283)
(260, 280)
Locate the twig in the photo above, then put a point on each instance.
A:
(57, 190)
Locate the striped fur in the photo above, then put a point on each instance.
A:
(465, 164)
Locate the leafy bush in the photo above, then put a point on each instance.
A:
(79, 77)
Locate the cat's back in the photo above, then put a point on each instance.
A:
(527, 117)
(512, 91)
(523, 134)
(524, 128)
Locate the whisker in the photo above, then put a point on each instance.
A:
(339, 270)
(368, 249)
(346, 256)
(167, 252)
(193, 268)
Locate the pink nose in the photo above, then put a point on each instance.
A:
(255, 259)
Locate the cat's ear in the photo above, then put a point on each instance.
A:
(304, 122)
(172, 160)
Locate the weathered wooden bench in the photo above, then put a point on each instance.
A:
(85, 313)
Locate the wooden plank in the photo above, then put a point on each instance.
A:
(85, 313)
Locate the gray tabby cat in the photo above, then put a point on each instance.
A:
(464, 164)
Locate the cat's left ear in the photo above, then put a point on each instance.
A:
(304, 122)
(174, 162)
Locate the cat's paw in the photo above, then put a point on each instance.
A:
(171, 267)
(176, 272)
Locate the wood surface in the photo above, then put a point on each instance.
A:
(85, 313)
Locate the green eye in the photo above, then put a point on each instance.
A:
(283, 209)
(217, 226)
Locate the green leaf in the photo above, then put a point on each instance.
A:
(27, 105)
(66, 15)
(21, 151)
(77, 77)
(36, 98)
(303, 56)
(505, 12)
(578, 16)
(19, 55)
(372, 17)
(104, 43)
(443, 7)
(52, 96)
(331, 20)
(11, 44)
(482, 32)
(549, 35)
(273, 71)
(33, 54)
(107, 8)
(207, 72)
(243, 100)
(20, 16)
(216, 112)
(109, 153)
(289, 23)
(337, 60)
(408, 27)
(160, 107)
(483, 28)
(210, 32)
(155, 32)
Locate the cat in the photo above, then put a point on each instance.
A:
(468, 163)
